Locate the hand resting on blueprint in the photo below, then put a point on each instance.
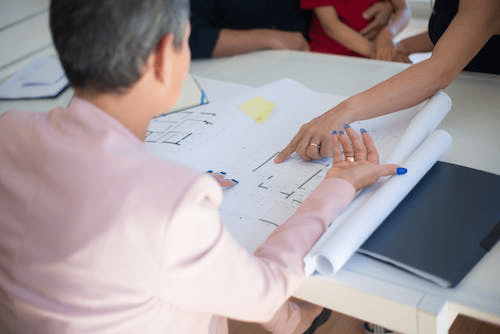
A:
(356, 160)
(223, 180)
(319, 131)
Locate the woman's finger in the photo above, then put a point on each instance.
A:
(371, 150)
(336, 147)
(313, 149)
(326, 148)
(220, 177)
(357, 143)
(302, 148)
(346, 146)
(289, 149)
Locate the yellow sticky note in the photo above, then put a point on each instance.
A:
(258, 108)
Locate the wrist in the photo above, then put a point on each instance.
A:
(263, 38)
(403, 47)
(272, 39)
(386, 33)
(347, 110)
(339, 115)
(368, 49)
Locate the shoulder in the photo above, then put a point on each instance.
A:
(17, 117)
(17, 126)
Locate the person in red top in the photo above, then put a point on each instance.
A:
(339, 27)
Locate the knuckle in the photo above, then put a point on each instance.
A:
(359, 150)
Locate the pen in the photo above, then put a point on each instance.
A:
(203, 97)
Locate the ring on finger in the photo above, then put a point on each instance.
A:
(315, 145)
(349, 159)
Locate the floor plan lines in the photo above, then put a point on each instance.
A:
(175, 128)
(281, 188)
(265, 162)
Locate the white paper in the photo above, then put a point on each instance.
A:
(43, 77)
(216, 90)
(219, 136)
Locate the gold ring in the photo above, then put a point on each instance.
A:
(314, 144)
(349, 159)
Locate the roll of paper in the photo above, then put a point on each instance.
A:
(369, 209)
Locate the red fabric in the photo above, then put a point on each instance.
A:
(349, 12)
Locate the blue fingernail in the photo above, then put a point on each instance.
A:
(341, 132)
(235, 181)
(210, 171)
(346, 126)
(223, 173)
(363, 131)
(334, 132)
(401, 171)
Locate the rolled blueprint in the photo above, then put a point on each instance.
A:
(353, 227)
(420, 127)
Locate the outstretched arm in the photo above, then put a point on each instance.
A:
(471, 28)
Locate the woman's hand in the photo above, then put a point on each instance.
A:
(380, 13)
(356, 160)
(384, 47)
(402, 54)
(314, 139)
(222, 180)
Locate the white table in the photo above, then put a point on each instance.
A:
(367, 289)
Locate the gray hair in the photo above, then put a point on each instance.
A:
(104, 44)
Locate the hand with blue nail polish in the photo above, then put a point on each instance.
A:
(221, 178)
(356, 160)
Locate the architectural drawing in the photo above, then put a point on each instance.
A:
(221, 136)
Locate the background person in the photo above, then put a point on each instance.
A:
(486, 60)
(336, 27)
(470, 32)
(223, 28)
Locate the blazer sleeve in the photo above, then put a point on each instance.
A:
(204, 32)
(208, 271)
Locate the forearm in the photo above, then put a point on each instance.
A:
(233, 42)
(351, 39)
(406, 89)
(236, 283)
(450, 55)
(300, 232)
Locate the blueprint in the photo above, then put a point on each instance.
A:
(242, 135)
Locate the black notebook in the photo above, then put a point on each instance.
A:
(443, 227)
